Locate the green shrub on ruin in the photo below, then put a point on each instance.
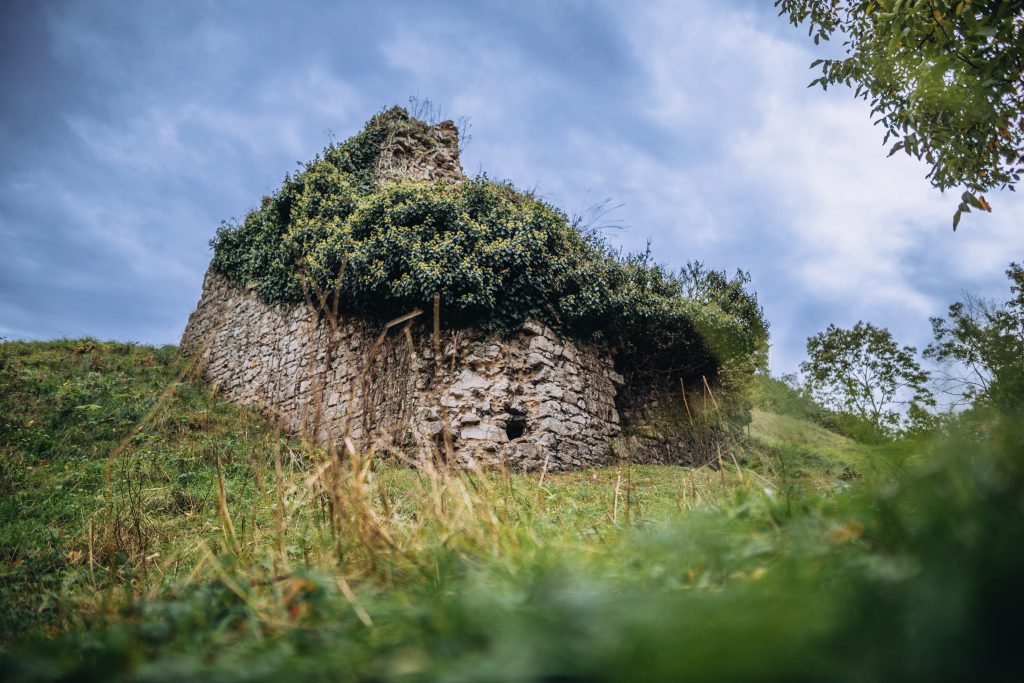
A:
(494, 256)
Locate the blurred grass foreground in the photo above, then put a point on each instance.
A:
(150, 531)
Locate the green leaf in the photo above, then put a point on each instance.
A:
(972, 200)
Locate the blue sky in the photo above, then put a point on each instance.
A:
(129, 130)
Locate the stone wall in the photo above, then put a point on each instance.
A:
(414, 151)
(529, 399)
(523, 399)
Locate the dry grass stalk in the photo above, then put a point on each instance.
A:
(615, 498)
(629, 490)
(543, 473)
(279, 516)
(350, 595)
(686, 404)
(227, 525)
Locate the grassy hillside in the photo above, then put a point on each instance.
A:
(149, 530)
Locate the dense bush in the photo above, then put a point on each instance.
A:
(493, 255)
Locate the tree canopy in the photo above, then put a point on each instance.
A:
(863, 372)
(985, 340)
(945, 79)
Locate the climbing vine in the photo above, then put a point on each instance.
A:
(494, 256)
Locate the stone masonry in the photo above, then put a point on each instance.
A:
(521, 399)
(529, 399)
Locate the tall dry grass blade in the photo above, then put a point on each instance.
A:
(629, 490)
(227, 526)
(279, 516)
(707, 388)
(739, 470)
(543, 472)
(350, 595)
(721, 464)
(92, 557)
(615, 498)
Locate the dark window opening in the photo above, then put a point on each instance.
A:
(516, 426)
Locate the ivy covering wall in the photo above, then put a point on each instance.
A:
(494, 255)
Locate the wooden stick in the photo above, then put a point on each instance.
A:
(437, 326)
(682, 388)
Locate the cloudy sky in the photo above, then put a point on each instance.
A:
(130, 130)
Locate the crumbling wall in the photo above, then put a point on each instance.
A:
(414, 151)
(529, 399)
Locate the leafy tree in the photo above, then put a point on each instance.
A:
(985, 342)
(863, 372)
(944, 78)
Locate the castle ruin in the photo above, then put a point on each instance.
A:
(527, 399)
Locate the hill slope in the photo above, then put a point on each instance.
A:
(150, 530)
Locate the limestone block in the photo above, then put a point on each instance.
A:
(527, 450)
(541, 344)
(532, 327)
(484, 431)
(550, 389)
(536, 360)
(467, 382)
(553, 425)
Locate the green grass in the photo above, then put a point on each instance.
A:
(782, 430)
(111, 451)
(817, 456)
(815, 558)
(86, 427)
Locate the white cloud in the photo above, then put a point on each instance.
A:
(485, 79)
(125, 230)
(752, 169)
(161, 136)
(853, 217)
(693, 115)
(863, 235)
